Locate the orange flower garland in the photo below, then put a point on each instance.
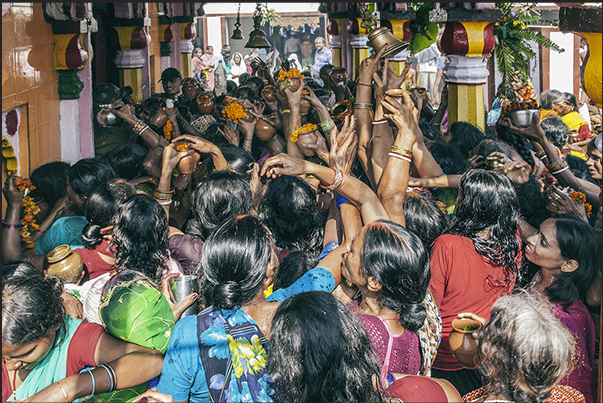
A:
(30, 210)
(308, 127)
(233, 112)
(167, 130)
(581, 198)
(205, 99)
(293, 73)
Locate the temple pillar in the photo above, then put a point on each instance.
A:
(165, 44)
(334, 30)
(358, 42)
(130, 57)
(187, 34)
(467, 38)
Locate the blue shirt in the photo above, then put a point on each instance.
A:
(183, 375)
(321, 58)
(64, 231)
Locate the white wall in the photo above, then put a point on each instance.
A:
(562, 64)
(229, 8)
(214, 33)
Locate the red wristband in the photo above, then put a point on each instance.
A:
(366, 85)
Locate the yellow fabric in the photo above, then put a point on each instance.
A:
(9, 154)
(268, 291)
(578, 154)
(573, 120)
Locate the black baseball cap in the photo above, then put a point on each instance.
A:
(170, 74)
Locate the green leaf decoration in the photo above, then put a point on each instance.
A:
(512, 50)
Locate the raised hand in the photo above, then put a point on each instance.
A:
(283, 164)
(532, 133)
(369, 66)
(344, 145)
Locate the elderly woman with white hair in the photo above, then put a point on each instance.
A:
(526, 352)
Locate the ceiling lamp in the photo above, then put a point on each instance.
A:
(257, 37)
(236, 33)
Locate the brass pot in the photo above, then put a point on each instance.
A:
(340, 110)
(494, 162)
(62, 262)
(383, 35)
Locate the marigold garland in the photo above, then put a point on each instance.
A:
(233, 112)
(167, 130)
(308, 127)
(581, 198)
(293, 73)
(30, 210)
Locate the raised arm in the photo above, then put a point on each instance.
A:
(556, 166)
(392, 187)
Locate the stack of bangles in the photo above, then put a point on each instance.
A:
(359, 105)
(541, 155)
(337, 182)
(163, 198)
(139, 127)
(11, 226)
(401, 153)
(327, 125)
(110, 372)
(556, 167)
(380, 121)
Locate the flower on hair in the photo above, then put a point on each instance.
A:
(29, 209)
(308, 127)
(167, 130)
(233, 112)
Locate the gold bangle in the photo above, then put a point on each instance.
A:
(359, 105)
(286, 111)
(404, 151)
(63, 390)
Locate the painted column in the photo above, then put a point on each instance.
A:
(165, 44)
(586, 21)
(401, 30)
(69, 57)
(467, 45)
(187, 34)
(334, 30)
(358, 42)
(130, 58)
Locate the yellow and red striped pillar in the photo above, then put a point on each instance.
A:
(334, 30)
(358, 42)
(187, 33)
(467, 45)
(131, 40)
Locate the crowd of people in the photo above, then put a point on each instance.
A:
(335, 232)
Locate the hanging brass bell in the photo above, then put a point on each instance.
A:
(383, 35)
(236, 34)
(257, 37)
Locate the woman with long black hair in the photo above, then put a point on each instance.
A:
(475, 261)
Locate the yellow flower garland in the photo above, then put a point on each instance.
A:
(308, 127)
(233, 112)
(581, 198)
(167, 130)
(30, 210)
(293, 73)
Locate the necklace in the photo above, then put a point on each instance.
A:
(14, 395)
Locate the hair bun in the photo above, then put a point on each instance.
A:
(413, 316)
(91, 235)
(225, 295)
